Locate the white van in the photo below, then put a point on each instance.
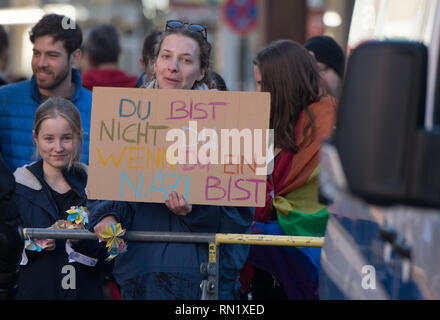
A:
(381, 169)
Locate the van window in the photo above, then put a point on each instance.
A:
(404, 20)
(411, 20)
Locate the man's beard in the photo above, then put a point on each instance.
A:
(57, 81)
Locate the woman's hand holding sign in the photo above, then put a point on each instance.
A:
(177, 204)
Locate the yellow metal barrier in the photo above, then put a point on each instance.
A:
(268, 240)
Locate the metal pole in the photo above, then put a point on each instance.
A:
(187, 237)
(210, 270)
(141, 236)
(170, 237)
(39, 233)
(269, 240)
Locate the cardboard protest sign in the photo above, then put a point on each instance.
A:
(209, 146)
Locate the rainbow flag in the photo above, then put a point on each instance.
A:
(292, 208)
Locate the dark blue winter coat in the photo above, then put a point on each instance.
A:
(41, 277)
(156, 270)
(18, 103)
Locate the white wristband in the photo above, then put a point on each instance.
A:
(78, 257)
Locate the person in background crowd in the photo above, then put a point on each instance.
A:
(172, 270)
(45, 190)
(11, 235)
(331, 61)
(219, 82)
(99, 63)
(148, 47)
(301, 115)
(4, 55)
(99, 67)
(11, 242)
(55, 51)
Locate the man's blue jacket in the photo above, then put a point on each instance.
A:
(18, 103)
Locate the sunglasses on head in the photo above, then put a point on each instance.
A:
(177, 24)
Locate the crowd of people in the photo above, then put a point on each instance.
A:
(44, 142)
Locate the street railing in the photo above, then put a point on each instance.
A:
(210, 270)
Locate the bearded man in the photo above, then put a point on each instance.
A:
(56, 49)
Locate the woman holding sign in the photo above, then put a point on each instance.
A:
(302, 115)
(46, 191)
(172, 270)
